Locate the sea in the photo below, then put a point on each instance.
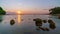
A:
(25, 24)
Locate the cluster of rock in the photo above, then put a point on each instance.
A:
(39, 22)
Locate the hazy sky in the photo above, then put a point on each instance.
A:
(29, 6)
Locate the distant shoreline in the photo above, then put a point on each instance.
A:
(27, 14)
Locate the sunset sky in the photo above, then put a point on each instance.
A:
(29, 6)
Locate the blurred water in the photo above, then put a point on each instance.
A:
(24, 24)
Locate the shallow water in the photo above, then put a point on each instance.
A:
(24, 24)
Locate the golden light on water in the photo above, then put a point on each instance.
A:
(19, 18)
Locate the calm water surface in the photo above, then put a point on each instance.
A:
(24, 24)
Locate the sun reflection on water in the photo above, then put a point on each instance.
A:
(19, 18)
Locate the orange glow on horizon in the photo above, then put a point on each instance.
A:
(19, 12)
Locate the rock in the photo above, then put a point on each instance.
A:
(37, 19)
(44, 21)
(12, 22)
(42, 29)
(52, 25)
(38, 22)
(46, 29)
(50, 21)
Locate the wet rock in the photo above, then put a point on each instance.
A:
(12, 22)
(44, 21)
(46, 29)
(38, 22)
(52, 25)
(50, 21)
(42, 29)
(37, 19)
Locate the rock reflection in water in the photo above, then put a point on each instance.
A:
(38, 23)
(12, 22)
(1, 18)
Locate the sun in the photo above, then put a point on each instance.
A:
(19, 12)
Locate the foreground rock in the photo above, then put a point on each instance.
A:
(38, 22)
(44, 21)
(12, 22)
(50, 21)
(51, 24)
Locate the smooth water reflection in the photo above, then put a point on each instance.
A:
(24, 24)
(19, 18)
(1, 18)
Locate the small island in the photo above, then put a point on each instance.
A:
(2, 12)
